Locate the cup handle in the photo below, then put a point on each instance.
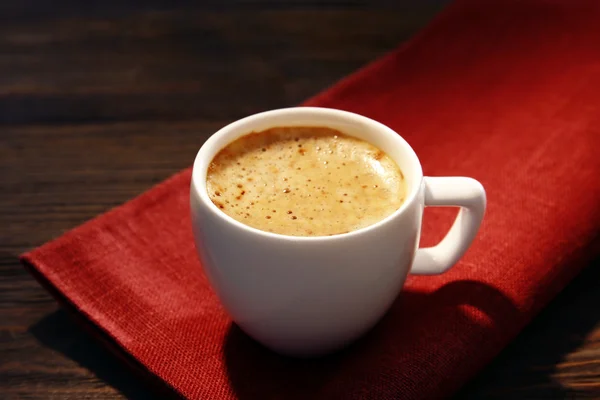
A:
(469, 195)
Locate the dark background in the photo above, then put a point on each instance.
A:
(101, 100)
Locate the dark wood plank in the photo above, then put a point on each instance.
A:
(185, 65)
(101, 100)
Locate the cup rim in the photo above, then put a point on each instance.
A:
(208, 151)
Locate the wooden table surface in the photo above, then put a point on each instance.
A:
(100, 100)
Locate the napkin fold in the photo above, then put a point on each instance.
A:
(505, 91)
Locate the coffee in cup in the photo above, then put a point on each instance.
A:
(305, 181)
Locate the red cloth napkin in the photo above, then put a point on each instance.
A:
(504, 91)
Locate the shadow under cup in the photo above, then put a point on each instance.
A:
(305, 296)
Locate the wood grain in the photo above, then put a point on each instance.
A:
(101, 100)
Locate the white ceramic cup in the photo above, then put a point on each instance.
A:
(306, 296)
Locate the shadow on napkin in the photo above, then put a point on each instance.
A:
(534, 365)
(256, 372)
